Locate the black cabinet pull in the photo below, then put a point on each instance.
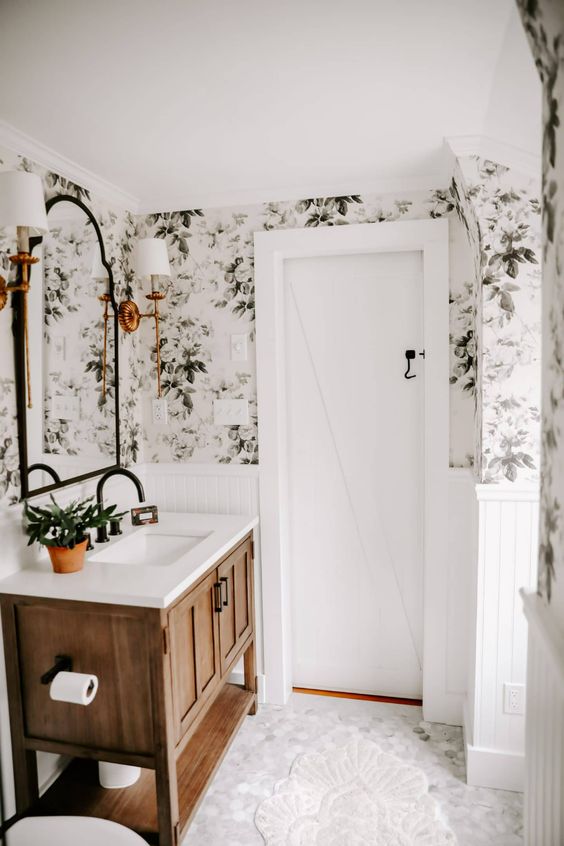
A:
(217, 597)
(226, 600)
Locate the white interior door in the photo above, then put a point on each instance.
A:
(355, 471)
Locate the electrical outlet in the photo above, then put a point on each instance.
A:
(160, 412)
(231, 412)
(514, 698)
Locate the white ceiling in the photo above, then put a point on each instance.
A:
(186, 103)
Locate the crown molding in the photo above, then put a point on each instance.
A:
(255, 196)
(24, 145)
(498, 151)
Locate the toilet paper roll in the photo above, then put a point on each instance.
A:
(79, 688)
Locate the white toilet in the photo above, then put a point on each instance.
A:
(70, 831)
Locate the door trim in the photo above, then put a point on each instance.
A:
(271, 249)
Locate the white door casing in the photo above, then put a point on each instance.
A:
(355, 471)
(271, 250)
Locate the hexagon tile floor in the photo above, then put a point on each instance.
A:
(267, 745)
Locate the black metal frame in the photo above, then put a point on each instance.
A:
(20, 371)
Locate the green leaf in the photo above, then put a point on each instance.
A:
(65, 526)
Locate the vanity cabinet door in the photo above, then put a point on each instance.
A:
(113, 644)
(235, 575)
(194, 650)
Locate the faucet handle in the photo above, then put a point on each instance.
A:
(102, 535)
(115, 527)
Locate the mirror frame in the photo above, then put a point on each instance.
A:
(20, 368)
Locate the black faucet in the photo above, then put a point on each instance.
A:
(101, 533)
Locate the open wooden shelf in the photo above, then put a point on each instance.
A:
(206, 749)
(77, 791)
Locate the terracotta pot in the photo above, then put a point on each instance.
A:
(65, 560)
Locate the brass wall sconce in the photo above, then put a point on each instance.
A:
(151, 259)
(100, 274)
(22, 205)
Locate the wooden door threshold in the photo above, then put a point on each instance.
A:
(365, 697)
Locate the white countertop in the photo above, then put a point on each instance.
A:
(150, 586)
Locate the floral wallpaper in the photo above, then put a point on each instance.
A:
(500, 210)
(70, 260)
(73, 344)
(544, 24)
(494, 322)
(211, 296)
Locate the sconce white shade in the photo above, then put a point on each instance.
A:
(151, 257)
(99, 272)
(22, 202)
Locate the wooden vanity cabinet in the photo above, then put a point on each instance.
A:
(235, 575)
(164, 701)
(194, 652)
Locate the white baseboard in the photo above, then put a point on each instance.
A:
(491, 767)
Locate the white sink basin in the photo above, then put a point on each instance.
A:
(148, 546)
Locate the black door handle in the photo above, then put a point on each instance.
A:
(410, 355)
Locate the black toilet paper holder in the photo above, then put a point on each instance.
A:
(62, 663)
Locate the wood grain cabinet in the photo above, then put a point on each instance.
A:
(164, 701)
(235, 589)
(194, 652)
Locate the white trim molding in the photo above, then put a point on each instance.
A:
(516, 158)
(508, 517)
(271, 249)
(544, 775)
(370, 184)
(462, 552)
(24, 145)
(545, 629)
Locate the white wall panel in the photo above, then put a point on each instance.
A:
(506, 562)
(462, 550)
(544, 776)
(202, 488)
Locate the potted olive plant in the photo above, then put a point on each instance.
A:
(63, 529)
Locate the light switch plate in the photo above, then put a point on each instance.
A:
(239, 347)
(160, 412)
(66, 407)
(231, 412)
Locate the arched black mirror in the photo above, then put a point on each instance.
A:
(67, 374)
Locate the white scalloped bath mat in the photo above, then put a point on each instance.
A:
(353, 796)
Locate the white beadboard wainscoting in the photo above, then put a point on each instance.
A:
(202, 488)
(544, 774)
(506, 562)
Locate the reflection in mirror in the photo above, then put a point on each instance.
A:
(71, 426)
